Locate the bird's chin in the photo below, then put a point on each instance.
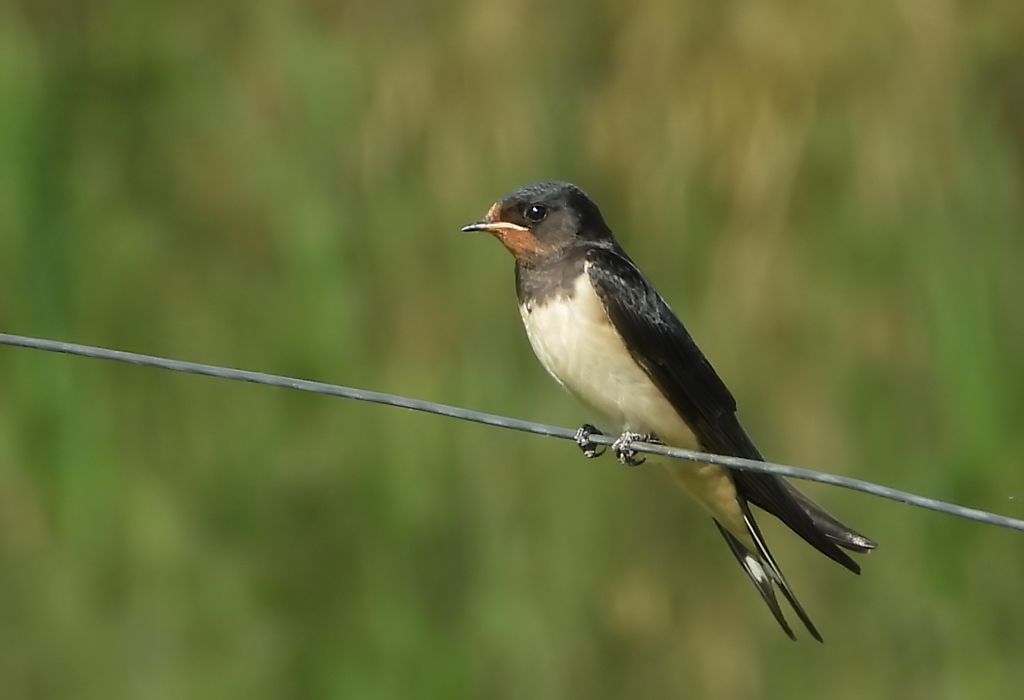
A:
(519, 240)
(523, 245)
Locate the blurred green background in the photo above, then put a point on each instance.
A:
(829, 194)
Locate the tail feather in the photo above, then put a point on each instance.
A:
(770, 493)
(759, 576)
(765, 574)
(802, 515)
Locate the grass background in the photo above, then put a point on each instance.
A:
(829, 194)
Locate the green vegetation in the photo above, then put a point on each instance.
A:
(829, 194)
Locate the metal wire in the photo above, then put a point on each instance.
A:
(504, 422)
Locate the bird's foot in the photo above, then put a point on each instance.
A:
(583, 435)
(622, 448)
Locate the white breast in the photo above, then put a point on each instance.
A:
(577, 344)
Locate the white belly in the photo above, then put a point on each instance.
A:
(579, 347)
(577, 344)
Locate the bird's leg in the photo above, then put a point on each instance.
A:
(585, 443)
(622, 449)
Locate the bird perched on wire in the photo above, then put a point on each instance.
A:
(602, 331)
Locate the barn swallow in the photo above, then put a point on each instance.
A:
(603, 332)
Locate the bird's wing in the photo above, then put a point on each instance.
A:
(661, 345)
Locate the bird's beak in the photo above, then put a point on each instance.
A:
(493, 223)
(485, 225)
(519, 240)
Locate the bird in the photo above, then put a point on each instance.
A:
(599, 327)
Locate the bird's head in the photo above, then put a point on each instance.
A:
(543, 219)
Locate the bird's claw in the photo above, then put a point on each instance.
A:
(622, 448)
(583, 435)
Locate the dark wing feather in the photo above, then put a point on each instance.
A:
(662, 346)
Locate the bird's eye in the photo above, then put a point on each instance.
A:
(535, 212)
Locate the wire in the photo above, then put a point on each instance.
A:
(504, 422)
